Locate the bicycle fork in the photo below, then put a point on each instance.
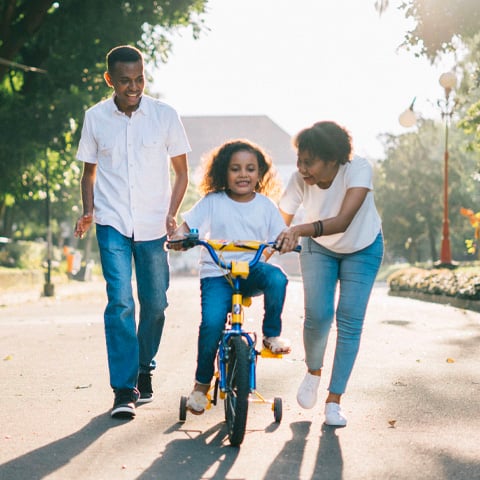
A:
(224, 349)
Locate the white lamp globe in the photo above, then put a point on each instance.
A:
(407, 118)
(448, 80)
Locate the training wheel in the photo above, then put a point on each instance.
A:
(277, 409)
(183, 409)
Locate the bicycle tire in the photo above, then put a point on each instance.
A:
(277, 409)
(238, 389)
(182, 414)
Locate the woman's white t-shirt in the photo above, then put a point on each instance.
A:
(218, 217)
(320, 204)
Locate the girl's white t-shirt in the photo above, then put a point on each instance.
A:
(218, 217)
(320, 204)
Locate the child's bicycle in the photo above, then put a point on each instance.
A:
(235, 378)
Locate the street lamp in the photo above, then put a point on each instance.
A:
(48, 287)
(448, 81)
(407, 119)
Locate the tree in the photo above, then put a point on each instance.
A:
(409, 193)
(40, 112)
(442, 26)
(439, 24)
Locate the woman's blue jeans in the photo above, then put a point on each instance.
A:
(354, 273)
(216, 293)
(130, 350)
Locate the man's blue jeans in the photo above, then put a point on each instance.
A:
(216, 295)
(355, 275)
(130, 350)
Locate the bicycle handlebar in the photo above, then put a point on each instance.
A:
(192, 240)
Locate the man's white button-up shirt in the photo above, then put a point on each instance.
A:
(132, 188)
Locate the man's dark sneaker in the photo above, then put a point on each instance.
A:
(124, 403)
(145, 387)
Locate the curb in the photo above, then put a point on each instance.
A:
(463, 303)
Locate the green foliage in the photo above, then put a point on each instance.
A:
(409, 193)
(470, 93)
(438, 23)
(23, 255)
(442, 26)
(40, 113)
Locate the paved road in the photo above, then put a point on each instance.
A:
(413, 402)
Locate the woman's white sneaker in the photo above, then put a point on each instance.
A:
(307, 392)
(334, 415)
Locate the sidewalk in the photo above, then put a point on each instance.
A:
(412, 403)
(62, 289)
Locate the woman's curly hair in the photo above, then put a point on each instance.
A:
(327, 141)
(218, 160)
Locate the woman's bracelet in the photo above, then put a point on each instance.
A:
(317, 229)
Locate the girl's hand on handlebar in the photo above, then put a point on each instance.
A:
(177, 238)
(176, 243)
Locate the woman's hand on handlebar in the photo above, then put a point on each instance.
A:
(287, 240)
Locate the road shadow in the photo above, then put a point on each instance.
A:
(43, 461)
(191, 458)
(289, 460)
(329, 463)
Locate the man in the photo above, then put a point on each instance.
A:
(126, 143)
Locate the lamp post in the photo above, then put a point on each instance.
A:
(448, 81)
(407, 119)
(48, 287)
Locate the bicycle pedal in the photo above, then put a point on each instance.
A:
(267, 353)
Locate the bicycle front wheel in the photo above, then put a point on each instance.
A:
(238, 389)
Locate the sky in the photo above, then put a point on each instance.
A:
(302, 61)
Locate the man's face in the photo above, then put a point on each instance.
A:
(128, 81)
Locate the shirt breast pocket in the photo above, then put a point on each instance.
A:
(153, 146)
(108, 158)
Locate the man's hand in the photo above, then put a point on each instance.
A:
(83, 225)
(171, 225)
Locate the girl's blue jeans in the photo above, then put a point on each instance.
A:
(216, 300)
(131, 350)
(354, 273)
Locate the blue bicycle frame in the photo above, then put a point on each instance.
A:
(237, 318)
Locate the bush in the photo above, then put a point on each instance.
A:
(23, 254)
(463, 282)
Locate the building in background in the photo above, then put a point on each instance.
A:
(208, 132)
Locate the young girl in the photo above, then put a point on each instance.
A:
(237, 178)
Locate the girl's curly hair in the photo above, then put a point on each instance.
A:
(215, 168)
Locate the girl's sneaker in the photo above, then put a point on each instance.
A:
(277, 344)
(197, 402)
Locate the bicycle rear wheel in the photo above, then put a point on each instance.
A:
(238, 389)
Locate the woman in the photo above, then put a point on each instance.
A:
(342, 245)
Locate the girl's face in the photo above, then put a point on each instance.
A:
(315, 171)
(242, 176)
